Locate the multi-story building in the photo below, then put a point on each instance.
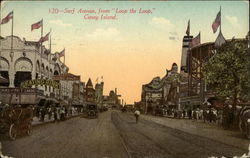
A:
(99, 93)
(27, 60)
(71, 91)
(194, 91)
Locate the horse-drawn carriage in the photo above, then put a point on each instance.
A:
(15, 121)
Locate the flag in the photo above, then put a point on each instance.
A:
(36, 25)
(62, 53)
(188, 28)
(45, 38)
(197, 40)
(7, 18)
(216, 22)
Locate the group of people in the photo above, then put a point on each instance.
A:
(55, 113)
(209, 114)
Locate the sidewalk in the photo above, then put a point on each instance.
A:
(208, 130)
(36, 121)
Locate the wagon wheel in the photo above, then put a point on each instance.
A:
(12, 132)
(248, 129)
(241, 126)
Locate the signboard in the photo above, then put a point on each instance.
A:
(41, 82)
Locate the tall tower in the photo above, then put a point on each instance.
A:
(185, 47)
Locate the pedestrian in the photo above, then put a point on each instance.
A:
(62, 114)
(183, 113)
(49, 113)
(137, 114)
(189, 113)
(43, 112)
(55, 114)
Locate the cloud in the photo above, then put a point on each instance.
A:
(103, 33)
(162, 21)
(233, 20)
(60, 23)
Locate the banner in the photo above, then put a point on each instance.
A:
(41, 82)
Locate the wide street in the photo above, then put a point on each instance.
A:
(116, 135)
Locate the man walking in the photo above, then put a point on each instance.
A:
(137, 114)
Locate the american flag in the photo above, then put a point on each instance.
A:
(45, 38)
(7, 18)
(62, 53)
(216, 22)
(36, 25)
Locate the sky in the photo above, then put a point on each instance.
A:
(132, 49)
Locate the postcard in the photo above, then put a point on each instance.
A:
(124, 79)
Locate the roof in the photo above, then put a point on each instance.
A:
(89, 84)
(67, 76)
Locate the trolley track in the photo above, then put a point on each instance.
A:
(209, 146)
(156, 150)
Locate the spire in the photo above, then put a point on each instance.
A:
(89, 84)
(220, 40)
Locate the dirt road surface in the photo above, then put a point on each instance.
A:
(114, 135)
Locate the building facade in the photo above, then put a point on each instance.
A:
(27, 60)
(99, 93)
(71, 91)
(161, 92)
(90, 92)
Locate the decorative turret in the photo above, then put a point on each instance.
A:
(174, 68)
(89, 84)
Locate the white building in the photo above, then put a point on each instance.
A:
(72, 89)
(26, 62)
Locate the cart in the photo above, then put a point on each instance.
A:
(15, 121)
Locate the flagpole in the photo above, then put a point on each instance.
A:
(200, 36)
(189, 27)
(12, 53)
(64, 57)
(220, 19)
(50, 51)
(41, 43)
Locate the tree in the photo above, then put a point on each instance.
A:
(227, 72)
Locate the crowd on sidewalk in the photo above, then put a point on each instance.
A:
(55, 113)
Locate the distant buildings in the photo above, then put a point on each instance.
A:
(161, 92)
(72, 89)
(95, 95)
(90, 92)
(112, 100)
(99, 93)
